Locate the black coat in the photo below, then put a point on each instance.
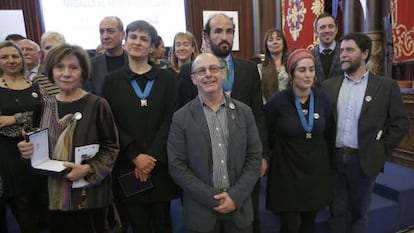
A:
(143, 129)
(299, 171)
(382, 110)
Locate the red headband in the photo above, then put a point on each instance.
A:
(296, 55)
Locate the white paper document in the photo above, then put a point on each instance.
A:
(84, 153)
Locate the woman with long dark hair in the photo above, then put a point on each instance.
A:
(273, 71)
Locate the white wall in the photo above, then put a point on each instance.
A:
(78, 20)
(12, 22)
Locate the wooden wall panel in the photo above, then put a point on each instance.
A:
(267, 18)
(194, 13)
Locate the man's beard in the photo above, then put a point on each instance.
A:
(351, 66)
(221, 52)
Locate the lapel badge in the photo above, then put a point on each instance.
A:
(368, 98)
(34, 94)
(316, 115)
(77, 116)
(231, 106)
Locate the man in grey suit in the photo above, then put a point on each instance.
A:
(214, 154)
(111, 33)
(371, 120)
(242, 83)
(327, 52)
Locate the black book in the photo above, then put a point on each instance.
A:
(130, 185)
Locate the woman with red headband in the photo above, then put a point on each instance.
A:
(301, 134)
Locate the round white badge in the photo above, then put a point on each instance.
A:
(77, 116)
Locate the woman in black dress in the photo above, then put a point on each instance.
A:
(142, 98)
(19, 100)
(300, 136)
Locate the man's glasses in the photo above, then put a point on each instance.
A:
(202, 71)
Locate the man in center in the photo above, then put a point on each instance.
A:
(214, 154)
(241, 82)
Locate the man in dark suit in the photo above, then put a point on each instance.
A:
(111, 33)
(327, 52)
(214, 154)
(371, 120)
(242, 83)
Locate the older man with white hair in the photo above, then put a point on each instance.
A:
(34, 73)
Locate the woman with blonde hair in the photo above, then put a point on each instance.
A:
(184, 50)
(20, 108)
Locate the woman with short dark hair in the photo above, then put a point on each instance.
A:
(142, 97)
(77, 120)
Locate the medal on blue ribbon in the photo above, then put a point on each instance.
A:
(307, 125)
(142, 95)
(227, 83)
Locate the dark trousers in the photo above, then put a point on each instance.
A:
(255, 203)
(226, 225)
(24, 210)
(79, 221)
(352, 195)
(150, 217)
(3, 217)
(298, 222)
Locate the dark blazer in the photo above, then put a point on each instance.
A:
(335, 69)
(190, 163)
(382, 109)
(247, 88)
(99, 71)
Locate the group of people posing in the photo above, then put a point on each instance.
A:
(203, 129)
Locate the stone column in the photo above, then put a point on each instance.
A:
(373, 27)
(376, 62)
(352, 15)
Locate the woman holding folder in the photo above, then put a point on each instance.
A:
(77, 120)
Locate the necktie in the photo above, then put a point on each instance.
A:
(224, 64)
(29, 75)
(326, 51)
